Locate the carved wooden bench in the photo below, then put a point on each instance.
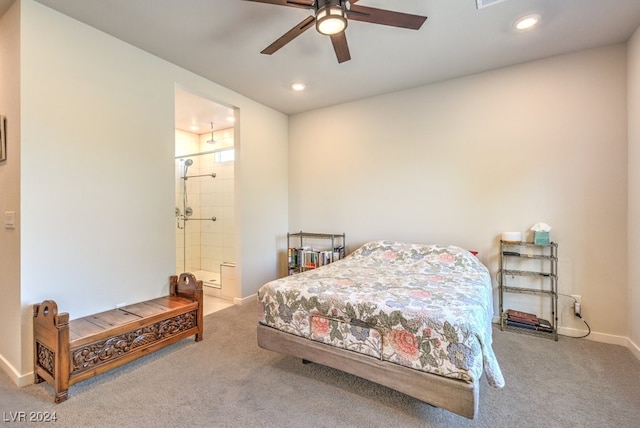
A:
(67, 352)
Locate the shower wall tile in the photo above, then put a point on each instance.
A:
(208, 200)
(228, 199)
(207, 243)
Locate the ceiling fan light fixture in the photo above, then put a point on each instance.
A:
(331, 18)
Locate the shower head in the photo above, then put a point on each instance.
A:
(187, 164)
(211, 140)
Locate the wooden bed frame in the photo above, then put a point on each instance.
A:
(66, 352)
(454, 395)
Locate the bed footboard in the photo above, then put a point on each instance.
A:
(454, 395)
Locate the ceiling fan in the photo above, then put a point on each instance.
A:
(331, 18)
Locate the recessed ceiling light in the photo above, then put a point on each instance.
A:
(298, 86)
(231, 119)
(527, 22)
(194, 127)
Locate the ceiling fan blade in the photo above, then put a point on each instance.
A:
(341, 47)
(385, 17)
(305, 4)
(290, 35)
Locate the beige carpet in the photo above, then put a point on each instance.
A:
(227, 381)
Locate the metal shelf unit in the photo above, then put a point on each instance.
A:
(296, 262)
(547, 274)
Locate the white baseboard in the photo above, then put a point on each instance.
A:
(244, 300)
(596, 337)
(17, 378)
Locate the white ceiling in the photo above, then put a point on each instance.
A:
(222, 39)
(192, 110)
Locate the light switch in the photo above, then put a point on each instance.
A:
(9, 219)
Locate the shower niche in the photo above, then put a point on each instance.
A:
(204, 208)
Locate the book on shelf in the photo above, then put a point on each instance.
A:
(325, 257)
(542, 328)
(338, 252)
(521, 315)
(296, 256)
(528, 321)
(521, 325)
(545, 325)
(523, 320)
(308, 258)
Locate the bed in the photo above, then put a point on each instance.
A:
(413, 317)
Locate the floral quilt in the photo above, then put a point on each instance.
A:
(427, 307)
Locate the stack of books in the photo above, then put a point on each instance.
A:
(526, 320)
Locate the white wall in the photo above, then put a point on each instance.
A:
(97, 208)
(634, 189)
(261, 195)
(97, 142)
(10, 312)
(461, 161)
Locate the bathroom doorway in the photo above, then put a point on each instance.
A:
(204, 193)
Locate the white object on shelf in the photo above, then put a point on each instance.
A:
(541, 227)
(512, 236)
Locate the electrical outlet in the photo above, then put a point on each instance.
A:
(577, 305)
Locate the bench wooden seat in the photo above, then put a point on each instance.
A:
(67, 352)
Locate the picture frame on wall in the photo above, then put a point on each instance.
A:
(3, 138)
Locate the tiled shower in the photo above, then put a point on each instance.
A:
(205, 217)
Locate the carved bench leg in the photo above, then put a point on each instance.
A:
(187, 285)
(62, 379)
(61, 396)
(51, 347)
